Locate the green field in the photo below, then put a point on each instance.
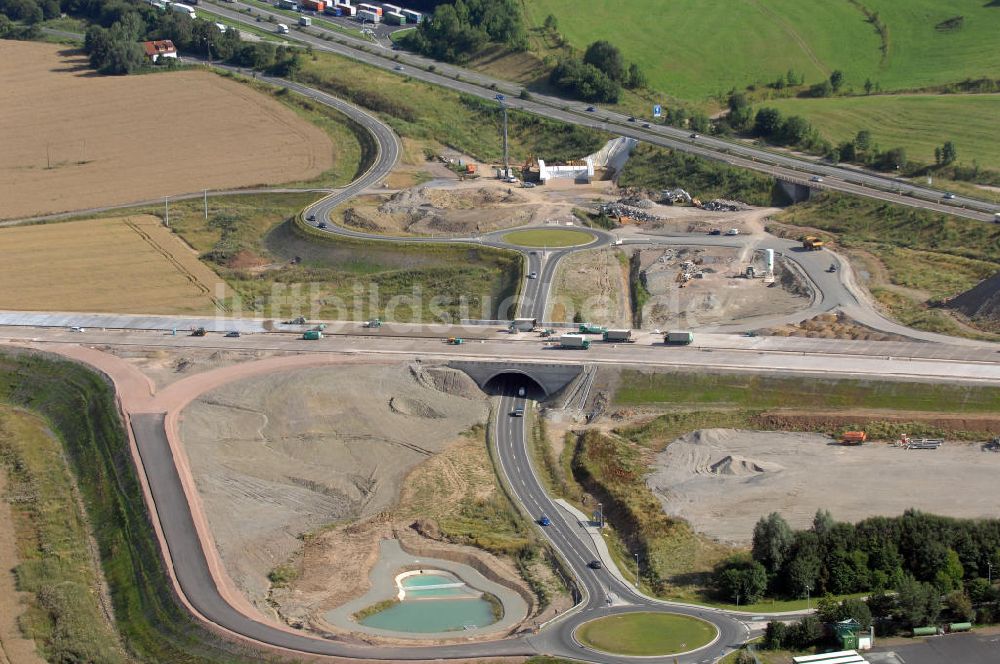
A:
(548, 238)
(918, 123)
(646, 634)
(693, 50)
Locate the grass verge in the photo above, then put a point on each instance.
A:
(57, 566)
(646, 634)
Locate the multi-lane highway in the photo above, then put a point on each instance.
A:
(738, 153)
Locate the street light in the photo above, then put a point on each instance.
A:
(808, 588)
(637, 571)
(506, 166)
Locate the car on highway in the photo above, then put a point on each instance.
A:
(544, 521)
(520, 391)
(733, 231)
(949, 196)
(517, 412)
(321, 224)
(645, 125)
(815, 178)
(311, 217)
(591, 109)
(595, 564)
(532, 275)
(693, 136)
(232, 335)
(398, 67)
(715, 231)
(77, 328)
(528, 185)
(631, 118)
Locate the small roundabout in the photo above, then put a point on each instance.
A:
(646, 634)
(552, 238)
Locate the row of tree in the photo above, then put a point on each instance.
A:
(30, 11)
(455, 31)
(599, 75)
(939, 554)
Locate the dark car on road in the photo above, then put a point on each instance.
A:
(322, 224)
(715, 231)
(311, 217)
(544, 521)
(591, 109)
(595, 564)
(631, 118)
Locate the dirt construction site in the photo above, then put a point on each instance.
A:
(288, 457)
(722, 480)
(169, 134)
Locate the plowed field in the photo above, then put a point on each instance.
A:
(74, 140)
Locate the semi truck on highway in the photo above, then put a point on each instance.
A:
(181, 8)
(619, 336)
(577, 341)
(587, 328)
(523, 324)
(678, 338)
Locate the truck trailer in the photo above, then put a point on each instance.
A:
(312, 5)
(619, 336)
(587, 328)
(678, 338)
(394, 18)
(367, 15)
(414, 17)
(577, 341)
(181, 8)
(523, 324)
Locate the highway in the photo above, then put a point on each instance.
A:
(783, 165)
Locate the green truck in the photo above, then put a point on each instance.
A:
(677, 338)
(587, 328)
(312, 335)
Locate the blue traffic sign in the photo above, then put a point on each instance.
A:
(657, 111)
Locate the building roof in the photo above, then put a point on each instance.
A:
(159, 47)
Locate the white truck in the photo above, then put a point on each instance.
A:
(181, 8)
(574, 341)
(305, 21)
(282, 29)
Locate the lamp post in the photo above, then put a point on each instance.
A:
(808, 589)
(637, 571)
(506, 166)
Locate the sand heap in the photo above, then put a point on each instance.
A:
(981, 303)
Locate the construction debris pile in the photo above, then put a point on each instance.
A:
(723, 205)
(630, 208)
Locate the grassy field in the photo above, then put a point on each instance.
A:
(548, 238)
(434, 117)
(646, 634)
(746, 391)
(57, 566)
(918, 123)
(121, 264)
(678, 43)
(239, 137)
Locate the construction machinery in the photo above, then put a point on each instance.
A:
(853, 437)
(908, 443)
(312, 335)
(198, 332)
(587, 328)
(374, 322)
(812, 243)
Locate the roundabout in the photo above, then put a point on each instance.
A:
(544, 237)
(646, 634)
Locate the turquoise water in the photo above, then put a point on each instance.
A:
(415, 586)
(431, 615)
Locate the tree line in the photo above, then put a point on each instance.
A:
(913, 566)
(599, 75)
(455, 31)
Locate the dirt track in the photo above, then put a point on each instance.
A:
(722, 480)
(73, 140)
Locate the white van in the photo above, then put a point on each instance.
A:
(282, 29)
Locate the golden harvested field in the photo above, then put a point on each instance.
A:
(74, 140)
(118, 265)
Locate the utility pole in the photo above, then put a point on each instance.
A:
(206, 205)
(637, 571)
(506, 164)
(166, 211)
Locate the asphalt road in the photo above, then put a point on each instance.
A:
(603, 593)
(738, 153)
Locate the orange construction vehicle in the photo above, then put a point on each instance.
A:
(853, 437)
(812, 243)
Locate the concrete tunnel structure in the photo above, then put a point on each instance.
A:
(550, 379)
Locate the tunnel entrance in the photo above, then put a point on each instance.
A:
(511, 383)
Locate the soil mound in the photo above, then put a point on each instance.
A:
(739, 466)
(414, 408)
(981, 303)
(454, 382)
